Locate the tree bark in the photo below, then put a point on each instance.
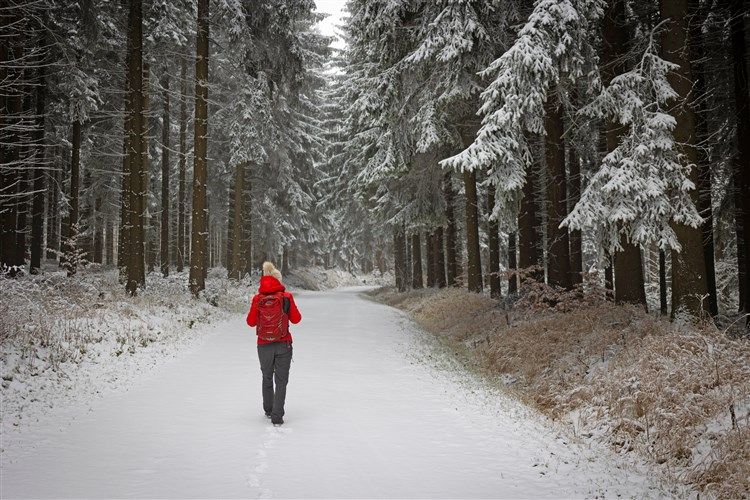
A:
(663, 308)
(399, 254)
(574, 195)
(39, 179)
(493, 238)
(199, 232)
(150, 219)
(512, 263)
(704, 168)
(451, 237)
(416, 262)
(741, 171)
(136, 275)
(53, 214)
(430, 250)
(558, 245)
(437, 241)
(474, 264)
(689, 285)
(23, 187)
(164, 243)
(71, 244)
(183, 155)
(247, 222)
(235, 261)
(98, 230)
(528, 233)
(25, 184)
(123, 242)
(109, 248)
(10, 111)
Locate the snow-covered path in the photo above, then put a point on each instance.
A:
(369, 415)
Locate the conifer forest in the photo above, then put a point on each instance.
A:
(483, 144)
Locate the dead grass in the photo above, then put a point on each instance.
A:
(678, 396)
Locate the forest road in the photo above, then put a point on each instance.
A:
(372, 412)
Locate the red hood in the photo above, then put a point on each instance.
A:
(269, 284)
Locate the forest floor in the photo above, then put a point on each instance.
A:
(676, 394)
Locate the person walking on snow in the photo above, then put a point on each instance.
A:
(274, 347)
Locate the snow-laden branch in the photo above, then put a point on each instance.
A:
(551, 43)
(642, 186)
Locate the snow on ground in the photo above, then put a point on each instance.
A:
(373, 411)
(73, 339)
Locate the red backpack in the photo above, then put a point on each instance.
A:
(273, 317)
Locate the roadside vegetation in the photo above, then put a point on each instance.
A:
(677, 394)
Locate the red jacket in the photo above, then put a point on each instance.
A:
(269, 284)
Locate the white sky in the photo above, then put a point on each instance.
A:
(327, 26)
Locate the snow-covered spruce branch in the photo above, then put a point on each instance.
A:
(551, 43)
(642, 185)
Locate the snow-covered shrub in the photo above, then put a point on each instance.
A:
(537, 295)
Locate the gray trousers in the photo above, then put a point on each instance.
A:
(275, 361)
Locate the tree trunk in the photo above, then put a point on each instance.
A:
(98, 230)
(247, 221)
(399, 255)
(474, 270)
(164, 257)
(628, 263)
(430, 249)
(199, 232)
(512, 263)
(136, 271)
(407, 249)
(689, 284)
(53, 214)
(23, 187)
(71, 244)
(10, 114)
(493, 238)
(741, 171)
(231, 220)
(574, 195)
(704, 168)
(528, 232)
(123, 242)
(451, 238)
(39, 178)
(416, 260)
(150, 219)
(87, 218)
(558, 245)
(235, 262)
(437, 241)
(109, 248)
(663, 308)
(183, 155)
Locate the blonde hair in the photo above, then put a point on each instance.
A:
(270, 270)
